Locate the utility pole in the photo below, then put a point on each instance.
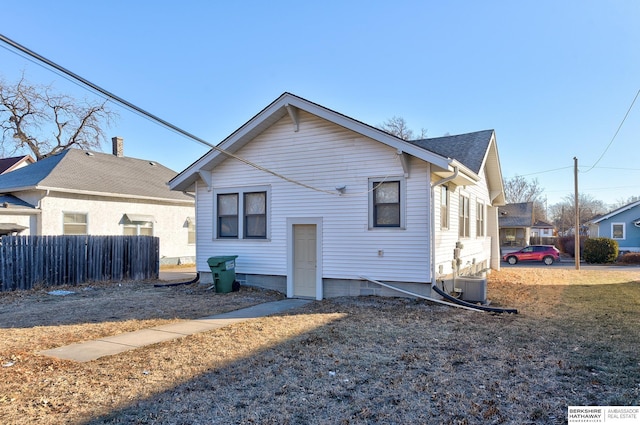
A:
(577, 214)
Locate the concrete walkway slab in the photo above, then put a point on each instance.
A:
(91, 350)
(87, 351)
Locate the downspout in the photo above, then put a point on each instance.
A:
(433, 223)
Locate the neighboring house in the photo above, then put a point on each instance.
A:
(621, 225)
(16, 216)
(80, 192)
(515, 222)
(311, 200)
(542, 229)
(10, 164)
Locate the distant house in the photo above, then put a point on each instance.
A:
(10, 164)
(542, 229)
(79, 192)
(311, 200)
(621, 225)
(515, 222)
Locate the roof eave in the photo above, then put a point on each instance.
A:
(616, 212)
(117, 195)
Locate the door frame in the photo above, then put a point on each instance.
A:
(317, 221)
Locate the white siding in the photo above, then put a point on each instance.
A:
(323, 155)
(475, 248)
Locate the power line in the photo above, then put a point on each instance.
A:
(546, 171)
(149, 115)
(616, 133)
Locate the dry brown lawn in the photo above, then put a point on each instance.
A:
(339, 361)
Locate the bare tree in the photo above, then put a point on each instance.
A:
(35, 118)
(621, 202)
(563, 213)
(518, 189)
(399, 128)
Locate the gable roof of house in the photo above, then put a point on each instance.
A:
(14, 162)
(95, 173)
(543, 225)
(9, 203)
(516, 215)
(470, 148)
(289, 104)
(615, 212)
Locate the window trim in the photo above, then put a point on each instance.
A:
(241, 191)
(464, 231)
(624, 231)
(373, 181)
(86, 223)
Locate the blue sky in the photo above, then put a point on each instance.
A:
(553, 78)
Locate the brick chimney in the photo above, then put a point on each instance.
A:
(118, 146)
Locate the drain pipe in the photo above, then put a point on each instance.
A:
(433, 224)
(413, 294)
(189, 282)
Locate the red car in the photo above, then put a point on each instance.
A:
(545, 253)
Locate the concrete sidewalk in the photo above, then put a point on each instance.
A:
(91, 350)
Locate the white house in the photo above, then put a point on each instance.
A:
(310, 200)
(94, 193)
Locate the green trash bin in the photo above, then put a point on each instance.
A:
(223, 269)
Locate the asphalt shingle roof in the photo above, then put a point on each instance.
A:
(9, 201)
(468, 148)
(516, 215)
(78, 170)
(6, 163)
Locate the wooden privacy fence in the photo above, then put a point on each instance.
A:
(26, 261)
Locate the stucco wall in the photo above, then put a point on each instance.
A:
(105, 217)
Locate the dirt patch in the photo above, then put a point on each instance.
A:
(343, 360)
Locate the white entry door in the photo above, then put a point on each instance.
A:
(305, 258)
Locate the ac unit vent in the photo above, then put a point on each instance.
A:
(474, 289)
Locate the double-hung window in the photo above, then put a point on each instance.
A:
(465, 219)
(242, 214)
(255, 215)
(191, 230)
(228, 215)
(74, 224)
(386, 203)
(479, 219)
(444, 207)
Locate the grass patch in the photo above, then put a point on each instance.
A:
(344, 360)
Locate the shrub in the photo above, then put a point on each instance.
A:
(630, 258)
(600, 250)
(567, 245)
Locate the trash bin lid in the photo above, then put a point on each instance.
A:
(216, 261)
